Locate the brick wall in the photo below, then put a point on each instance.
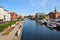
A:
(14, 15)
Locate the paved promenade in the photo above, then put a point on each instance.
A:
(11, 35)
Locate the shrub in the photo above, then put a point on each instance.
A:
(1, 29)
(6, 25)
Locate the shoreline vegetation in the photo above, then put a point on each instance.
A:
(11, 29)
(6, 25)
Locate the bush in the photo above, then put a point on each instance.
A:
(6, 25)
(1, 29)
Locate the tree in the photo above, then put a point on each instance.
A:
(29, 17)
(42, 16)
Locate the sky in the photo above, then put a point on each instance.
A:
(30, 7)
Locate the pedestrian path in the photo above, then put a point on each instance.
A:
(11, 35)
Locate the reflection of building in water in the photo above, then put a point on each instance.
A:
(54, 29)
(37, 23)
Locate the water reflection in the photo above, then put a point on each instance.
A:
(36, 23)
(51, 28)
(39, 23)
(55, 29)
(33, 30)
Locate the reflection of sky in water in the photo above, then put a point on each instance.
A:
(35, 31)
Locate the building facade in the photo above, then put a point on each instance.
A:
(54, 15)
(47, 17)
(37, 16)
(4, 16)
(14, 15)
(33, 16)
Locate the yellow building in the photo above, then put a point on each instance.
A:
(33, 16)
(47, 17)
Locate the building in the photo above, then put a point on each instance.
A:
(4, 16)
(40, 15)
(22, 16)
(47, 17)
(37, 16)
(33, 16)
(14, 15)
(54, 15)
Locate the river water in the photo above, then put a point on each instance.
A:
(34, 31)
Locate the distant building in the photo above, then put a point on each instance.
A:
(40, 15)
(14, 15)
(47, 17)
(37, 16)
(54, 15)
(4, 16)
(22, 16)
(33, 16)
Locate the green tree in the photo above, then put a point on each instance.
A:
(42, 16)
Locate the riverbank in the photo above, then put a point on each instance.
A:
(15, 34)
(20, 31)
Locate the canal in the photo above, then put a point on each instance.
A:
(34, 31)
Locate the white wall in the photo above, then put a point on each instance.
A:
(1, 16)
(7, 16)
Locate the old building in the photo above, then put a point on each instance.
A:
(14, 15)
(54, 15)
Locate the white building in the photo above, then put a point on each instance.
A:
(4, 16)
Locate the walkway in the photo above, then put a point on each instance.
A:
(11, 35)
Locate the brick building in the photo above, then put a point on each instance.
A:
(14, 15)
(54, 15)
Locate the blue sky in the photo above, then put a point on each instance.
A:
(27, 7)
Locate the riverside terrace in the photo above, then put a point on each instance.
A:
(12, 35)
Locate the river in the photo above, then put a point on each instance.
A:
(34, 31)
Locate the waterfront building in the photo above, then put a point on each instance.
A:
(14, 15)
(4, 16)
(33, 16)
(47, 17)
(22, 16)
(54, 15)
(37, 16)
(40, 15)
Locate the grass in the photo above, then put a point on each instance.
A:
(6, 25)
